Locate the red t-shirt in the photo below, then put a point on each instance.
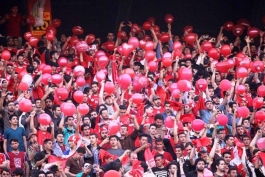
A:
(158, 111)
(93, 101)
(41, 136)
(16, 160)
(13, 25)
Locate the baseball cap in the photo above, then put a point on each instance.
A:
(156, 97)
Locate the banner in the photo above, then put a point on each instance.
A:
(41, 10)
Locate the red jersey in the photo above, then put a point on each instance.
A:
(13, 25)
(16, 160)
(38, 92)
(94, 101)
(158, 110)
(41, 136)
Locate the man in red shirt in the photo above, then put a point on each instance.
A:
(94, 99)
(17, 158)
(157, 108)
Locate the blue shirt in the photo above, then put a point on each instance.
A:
(67, 132)
(18, 134)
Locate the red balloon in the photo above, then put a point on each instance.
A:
(242, 72)
(127, 49)
(56, 23)
(241, 89)
(5, 55)
(99, 53)
(214, 53)
(79, 70)
(82, 46)
(90, 38)
(164, 37)
(197, 125)
(261, 90)
(30, 19)
(44, 119)
(110, 46)
(243, 22)
(201, 85)
(23, 86)
(190, 38)
(169, 122)
(228, 26)
(78, 96)
(258, 66)
(125, 81)
(225, 85)
(47, 69)
(77, 30)
(113, 128)
(156, 28)
(253, 32)
(134, 42)
(177, 45)
(62, 93)
(152, 66)
(240, 55)
(143, 81)
(109, 87)
(119, 48)
(62, 62)
(80, 81)
(137, 86)
(51, 29)
(33, 41)
(261, 144)
(177, 53)
(100, 75)
(130, 72)
(225, 50)
(121, 35)
(258, 102)
(74, 40)
(185, 74)
(149, 45)
(173, 86)
(182, 85)
(45, 78)
(245, 63)
(222, 119)
(142, 44)
(27, 35)
(206, 46)
(176, 93)
(169, 18)
(83, 109)
(50, 36)
(149, 55)
(231, 63)
(57, 79)
(25, 105)
(242, 112)
(69, 109)
(137, 98)
(237, 30)
(260, 116)
(188, 29)
(167, 62)
(147, 26)
(223, 66)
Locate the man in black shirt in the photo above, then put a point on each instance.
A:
(200, 165)
(160, 170)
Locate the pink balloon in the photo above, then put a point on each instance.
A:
(173, 86)
(79, 70)
(103, 61)
(176, 93)
(222, 119)
(109, 87)
(25, 105)
(201, 85)
(114, 127)
(80, 81)
(44, 119)
(169, 122)
(225, 85)
(182, 85)
(57, 79)
(69, 109)
(242, 112)
(82, 46)
(125, 81)
(197, 125)
(100, 75)
(134, 42)
(137, 98)
(241, 89)
(261, 144)
(143, 81)
(186, 74)
(83, 108)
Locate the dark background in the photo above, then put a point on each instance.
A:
(100, 17)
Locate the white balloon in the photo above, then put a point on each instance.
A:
(27, 79)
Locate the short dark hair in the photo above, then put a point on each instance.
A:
(144, 135)
(219, 130)
(159, 155)
(159, 116)
(83, 126)
(12, 115)
(81, 150)
(46, 141)
(170, 164)
(58, 133)
(94, 134)
(154, 125)
(5, 169)
(18, 171)
(232, 168)
(94, 83)
(199, 160)
(179, 146)
(49, 172)
(217, 161)
(188, 144)
(123, 107)
(226, 152)
(158, 140)
(14, 140)
(116, 165)
(114, 136)
(227, 137)
(104, 109)
(55, 107)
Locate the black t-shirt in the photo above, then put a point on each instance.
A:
(160, 172)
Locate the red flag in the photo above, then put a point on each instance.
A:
(53, 158)
(114, 69)
(161, 93)
(137, 170)
(103, 155)
(125, 119)
(176, 105)
(149, 158)
(262, 157)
